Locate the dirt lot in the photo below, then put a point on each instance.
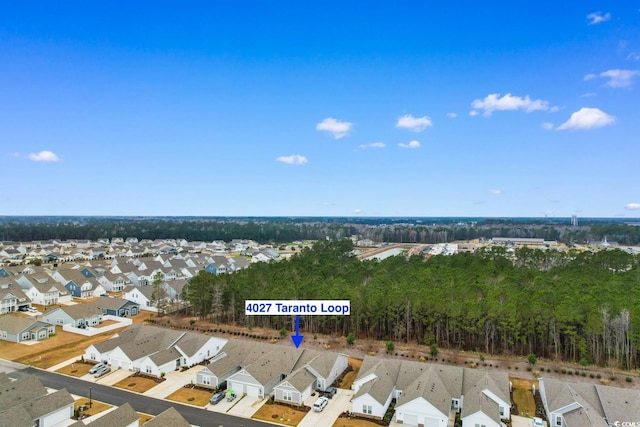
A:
(280, 414)
(137, 384)
(191, 396)
(523, 397)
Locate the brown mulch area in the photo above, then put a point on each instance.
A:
(523, 397)
(76, 369)
(354, 422)
(350, 376)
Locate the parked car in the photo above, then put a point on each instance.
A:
(538, 422)
(216, 398)
(330, 392)
(32, 310)
(96, 368)
(23, 308)
(102, 372)
(320, 404)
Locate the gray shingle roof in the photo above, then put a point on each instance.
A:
(123, 416)
(170, 417)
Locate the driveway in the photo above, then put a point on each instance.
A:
(246, 407)
(518, 421)
(341, 402)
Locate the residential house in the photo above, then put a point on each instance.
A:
(260, 377)
(78, 284)
(43, 290)
(114, 282)
(19, 329)
(486, 400)
(170, 417)
(231, 358)
(141, 295)
(78, 315)
(315, 370)
(154, 350)
(11, 296)
(123, 416)
(117, 306)
(570, 404)
(26, 402)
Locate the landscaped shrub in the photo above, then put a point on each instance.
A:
(591, 376)
(629, 379)
(598, 376)
(564, 371)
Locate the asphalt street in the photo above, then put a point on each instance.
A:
(148, 405)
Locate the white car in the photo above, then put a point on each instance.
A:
(320, 404)
(32, 310)
(538, 422)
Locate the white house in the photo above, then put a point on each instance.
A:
(141, 295)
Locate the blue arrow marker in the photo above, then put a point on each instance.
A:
(297, 338)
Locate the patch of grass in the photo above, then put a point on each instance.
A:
(522, 395)
(182, 395)
(280, 414)
(144, 417)
(350, 376)
(137, 384)
(76, 369)
(354, 422)
(96, 407)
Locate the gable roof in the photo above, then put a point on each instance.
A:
(122, 416)
(170, 417)
(15, 324)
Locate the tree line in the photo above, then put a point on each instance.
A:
(570, 306)
(282, 230)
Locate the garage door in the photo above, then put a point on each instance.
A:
(431, 422)
(410, 419)
(237, 387)
(253, 391)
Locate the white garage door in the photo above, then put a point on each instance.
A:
(410, 419)
(430, 422)
(238, 388)
(253, 391)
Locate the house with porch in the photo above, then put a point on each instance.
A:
(117, 306)
(78, 315)
(150, 349)
(12, 298)
(19, 329)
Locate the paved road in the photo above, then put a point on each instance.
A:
(118, 397)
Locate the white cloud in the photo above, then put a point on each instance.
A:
(44, 156)
(598, 17)
(416, 124)
(554, 109)
(411, 144)
(495, 191)
(452, 115)
(547, 126)
(294, 159)
(372, 145)
(357, 211)
(590, 76)
(635, 56)
(619, 78)
(473, 113)
(335, 127)
(587, 118)
(632, 206)
(493, 102)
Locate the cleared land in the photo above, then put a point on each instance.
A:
(523, 397)
(49, 352)
(191, 396)
(280, 414)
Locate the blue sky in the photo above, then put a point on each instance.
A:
(320, 108)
